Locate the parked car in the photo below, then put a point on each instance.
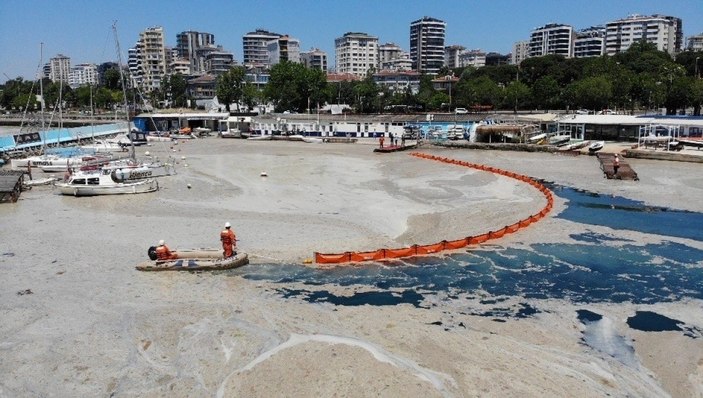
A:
(583, 112)
(607, 112)
(461, 111)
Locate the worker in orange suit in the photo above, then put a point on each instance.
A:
(229, 241)
(164, 253)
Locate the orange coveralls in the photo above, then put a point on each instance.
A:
(163, 253)
(228, 239)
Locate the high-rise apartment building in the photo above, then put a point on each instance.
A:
(356, 53)
(475, 58)
(521, 50)
(284, 48)
(148, 60)
(59, 68)
(590, 42)
(552, 39)
(255, 47)
(314, 59)
(695, 42)
(188, 46)
(665, 32)
(427, 45)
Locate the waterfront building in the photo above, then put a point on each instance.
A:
(82, 75)
(59, 68)
(149, 60)
(552, 39)
(475, 58)
(521, 50)
(695, 42)
(356, 53)
(388, 52)
(398, 64)
(590, 42)
(314, 59)
(188, 44)
(216, 61)
(202, 87)
(258, 75)
(284, 48)
(451, 56)
(665, 32)
(398, 81)
(179, 65)
(427, 45)
(254, 46)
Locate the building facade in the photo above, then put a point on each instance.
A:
(521, 50)
(695, 43)
(282, 49)
(427, 45)
(356, 53)
(83, 75)
(149, 59)
(590, 42)
(59, 68)
(254, 45)
(188, 44)
(475, 58)
(388, 52)
(314, 59)
(451, 56)
(398, 64)
(664, 32)
(552, 39)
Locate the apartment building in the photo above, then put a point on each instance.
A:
(474, 58)
(398, 64)
(451, 56)
(59, 68)
(590, 42)
(663, 31)
(189, 43)
(398, 81)
(388, 52)
(149, 59)
(314, 59)
(552, 39)
(695, 42)
(255, 47)
(284, 48)
(82, 75)
(427, 45)
(521, 50)
(356, 53)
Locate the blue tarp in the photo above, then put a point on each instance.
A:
(63, 136)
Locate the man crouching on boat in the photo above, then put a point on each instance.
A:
(229, 241)
(164, 253)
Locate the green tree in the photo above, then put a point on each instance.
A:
(113, 79)
(230, 86)
(516, 95)
(591, 92)
(546, 93)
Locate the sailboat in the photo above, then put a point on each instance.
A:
(129, 178)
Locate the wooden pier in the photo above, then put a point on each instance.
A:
(10, 185)
(625, 172)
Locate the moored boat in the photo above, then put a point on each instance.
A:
(104, 183)
(596, 146)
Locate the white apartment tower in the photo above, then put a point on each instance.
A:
(451, 56)
(82, 75)
(315, 59)
(665, 32)
(427, 45)
(148, 60)
(521, 50)
(695, 43)
(284, 48)
(552, 39)
(356, 53)
(188, 47)
(255, 47)
(388, 52)
(590, 42)
(59, 68)
(475, 58)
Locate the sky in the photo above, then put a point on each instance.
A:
(82, 29)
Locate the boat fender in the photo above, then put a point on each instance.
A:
(152, 253)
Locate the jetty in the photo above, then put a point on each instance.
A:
(625, 172)
(10, 185)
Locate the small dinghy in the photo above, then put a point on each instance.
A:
(194, 260)
(596, 146)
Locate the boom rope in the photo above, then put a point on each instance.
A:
(418, 250)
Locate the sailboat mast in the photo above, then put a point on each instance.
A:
(41, 82)
(124, 86)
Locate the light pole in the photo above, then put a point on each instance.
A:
(696, 73)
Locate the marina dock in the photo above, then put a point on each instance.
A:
(625, 172)
(10, 185)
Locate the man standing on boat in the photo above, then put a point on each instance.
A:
(164, 253)
(229, 240)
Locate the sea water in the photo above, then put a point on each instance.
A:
(595, 267)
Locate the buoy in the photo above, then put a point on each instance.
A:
(307, 261)
(185, 165)
(146, 153)
(183, 158)
(263, 174)
(188, 186)
(173, 150)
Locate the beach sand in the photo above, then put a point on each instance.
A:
(79, 320)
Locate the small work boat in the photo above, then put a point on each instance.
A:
(194, 260)
(596, 146)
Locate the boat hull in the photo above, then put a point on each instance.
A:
(142, 186)
(196, 264)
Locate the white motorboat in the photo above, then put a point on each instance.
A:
(537, 138)
(559, 139)
(104, 183)
(100, 146)
(596, 146)
(257, 137)
(574, 146)
(456, 132)
(313, 140)
(158, 136)
(63, 164)
(129, 170)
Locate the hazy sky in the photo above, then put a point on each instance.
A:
(82, 30)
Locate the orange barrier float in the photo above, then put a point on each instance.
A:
(415, 250)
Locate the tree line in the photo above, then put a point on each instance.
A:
(640, 78)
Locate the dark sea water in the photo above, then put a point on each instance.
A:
(596, 267)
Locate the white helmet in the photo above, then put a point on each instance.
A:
(161, 242)
(227, 224)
